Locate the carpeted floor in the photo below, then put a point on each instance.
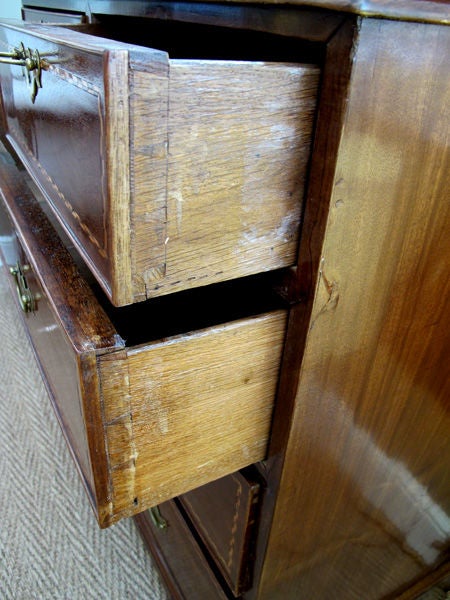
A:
(50, 544)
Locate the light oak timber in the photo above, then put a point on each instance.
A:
(184, 412)
(363, 505)
(159, 418)
(117, 134)
(227, 166)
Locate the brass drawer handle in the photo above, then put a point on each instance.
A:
(158, 520)
(31, 61)
(28, 301)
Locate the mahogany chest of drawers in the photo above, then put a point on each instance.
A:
(232, 252)
(193, 169)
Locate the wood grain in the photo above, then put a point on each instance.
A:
(183, 412)
(301, 281)
(193, 172)
(366, 464)
(150, 145)
(235, 177)
(117, 148)
(225, 515)
(150, 422)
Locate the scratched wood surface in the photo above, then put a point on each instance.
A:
(148, 422)
(193, 171)
(363, 509)
(181, 413)
(236, 175)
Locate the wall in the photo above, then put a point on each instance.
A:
(10, 9)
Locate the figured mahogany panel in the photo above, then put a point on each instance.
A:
(363, 509)
(180, 559)
(224, 513)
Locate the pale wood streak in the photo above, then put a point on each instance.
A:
(118, 169)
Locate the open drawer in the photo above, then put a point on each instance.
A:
(186, 399)
(168, 171)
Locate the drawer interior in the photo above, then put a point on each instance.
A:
(183, 40)
(193, 309)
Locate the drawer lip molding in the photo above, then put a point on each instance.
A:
(159, 419)
(167, 173)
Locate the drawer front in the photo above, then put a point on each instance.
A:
(55, 354)
(181, 562)
(74, 138)
(224, 512)
(34, 15)
(167, 173)
(157, 419)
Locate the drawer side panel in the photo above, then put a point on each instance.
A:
(239, 146)
(184, 412)
(149, 147)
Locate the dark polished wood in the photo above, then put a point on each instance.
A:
(74, 301)
(53, 134)
(180, 560)
(357, 505)
(225, 514)
(438, 580)
(435, 11)
(364, 501)
(35, 251)
(301, 282)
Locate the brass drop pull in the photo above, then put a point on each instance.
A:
(27, 300)
(30, 61)
(158, 520)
